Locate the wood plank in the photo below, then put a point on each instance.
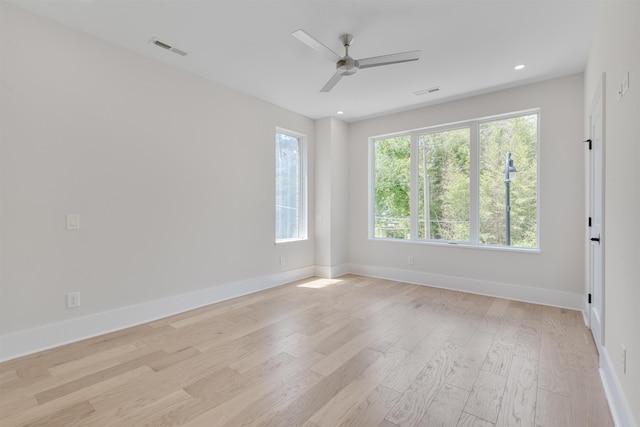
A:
(486, 396)
(519, 400)
(138, 411)
(82, 366)
(223, 405)
(65, 416)
(315, 398)
(8, 375)
(468, 420)
(259, 356)
(528, 340)
(176, 377)
(587, 408)
(88, 380)
(319, 336)
(356, 392)
(372, 410)
(10, 404)
(579, 348)
(401, 378)
(246, 329)
(466, 371)
(41, 411)
(276, 401)
(329, 364)
(553, 373)
(498, 308)
(414, 403)
(465, 330)
(339, 338)
(553, 410)
(498, 359)
(446, 408)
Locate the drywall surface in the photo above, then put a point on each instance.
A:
(331, 195)
(615, 52)
(339, 191)
(172, 177)
(323, 217)
(559, 265)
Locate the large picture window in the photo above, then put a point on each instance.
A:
(472, 183)
(290, 200)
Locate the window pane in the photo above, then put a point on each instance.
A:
(518, 136)
(443, 168)
(392, 176)
(288, 187)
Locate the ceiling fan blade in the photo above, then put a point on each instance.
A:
(331, 83)
(312, 42)
(395, 58)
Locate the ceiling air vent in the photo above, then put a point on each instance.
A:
(426, 91)
(168, 47)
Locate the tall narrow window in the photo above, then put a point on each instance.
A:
(392, 175)
(290, 187)
(508, 181)
(443, 176)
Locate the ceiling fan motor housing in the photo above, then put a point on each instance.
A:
(347, 66)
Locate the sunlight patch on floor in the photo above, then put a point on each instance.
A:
(320, 283)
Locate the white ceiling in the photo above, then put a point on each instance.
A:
(468, 47)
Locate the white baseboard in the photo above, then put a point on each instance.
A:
(53, 335)
(586, 312)
(474, 286)
(331, 272)
(620, 409)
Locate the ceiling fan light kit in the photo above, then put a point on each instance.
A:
(346, 65)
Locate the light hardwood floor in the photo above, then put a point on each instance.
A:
(354, 351)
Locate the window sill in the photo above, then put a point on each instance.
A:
(463, 245)
(285, 241)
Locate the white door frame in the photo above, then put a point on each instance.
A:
(596, 241)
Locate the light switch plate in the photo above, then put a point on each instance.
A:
(73, 222)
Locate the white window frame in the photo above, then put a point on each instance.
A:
(474, 182)
(303, 186)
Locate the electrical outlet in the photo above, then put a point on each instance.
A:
(624, 359)
(410, 260)
(73, 222)
(73, 299)
(282, 261)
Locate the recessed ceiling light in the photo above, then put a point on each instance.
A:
(519, 67)
(340, 112)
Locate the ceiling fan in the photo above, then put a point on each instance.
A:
(346, 65)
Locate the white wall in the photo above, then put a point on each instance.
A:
(331, 197)
(558, 270)
(172, 177)
(322, 216)
(616, 51)
(339, 193)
